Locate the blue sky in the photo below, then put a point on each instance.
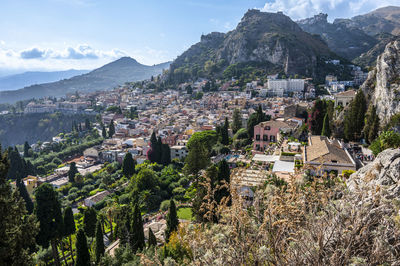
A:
(85, 34)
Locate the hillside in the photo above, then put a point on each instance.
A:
(368, 59)
(386, 19)
(269, 42)
(342, 38)
(17, 81)
(106, 77)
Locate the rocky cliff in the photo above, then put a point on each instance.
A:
(383, 84)
(342, 38)
(268, 41)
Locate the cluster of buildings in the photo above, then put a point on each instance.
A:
(68, 107)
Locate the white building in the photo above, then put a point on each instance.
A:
(279, 87)
(179, 152)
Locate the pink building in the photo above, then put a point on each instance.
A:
(269, 131)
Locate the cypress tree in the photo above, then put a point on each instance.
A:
(82, 252)
(17, 229)
(26, 149)
(104, 132)
(99, 248)
(371, 128)
(152, 239)
(89, 222)
(25, 195)
(223, 179)
(153, 148)
(172, 220)
(165, 154)
(69, 228)
(111, 129)
(48, 212)
(326, 130)
(158, 150)
(354, 118)
(137, 233)
(87, 124)
(128, 165)
(224, 133)
(237, 121)
(72, 172)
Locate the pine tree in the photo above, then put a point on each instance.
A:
(26, 149)
(104, 132)
(111, 129)
(172, 220)
(137, 233)
(82, 251)
(128, 165)
(48, 212)
(197, 159)
(17, 229)
(152, 242)
(89, 222)
(326, 130)
(99, 248)
(69, 228)
(237, 121)
(72, 172)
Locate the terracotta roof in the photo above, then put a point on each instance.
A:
(323, 149)
(349, 93)
(278, 124)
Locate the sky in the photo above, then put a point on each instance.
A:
(85, 34)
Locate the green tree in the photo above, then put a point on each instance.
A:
(165, 155)
(354, 118)
(111, 129)
(371, 127)
(237, 121)
(99, 248)
(69, 228)
(87, 124)
(224, 133)
(89, 222)
(25, 195)
(26, 149)
(48, 212)
(17, 229)
(197, 159)
(386, 140)
(222, 182)
(326, 130)
(104, 132)
(137, 233)
(72, 172)
(255, 119)
(152, 242)
(172, 220)
(128, 165)
(208, 138)
(82, 251)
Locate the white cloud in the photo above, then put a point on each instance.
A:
(298, 9)
(80, 57)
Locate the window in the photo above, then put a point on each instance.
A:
(272, 138)
(257, 147)
(267, 128)
(257, 137)
(265, 138)
(334, 161)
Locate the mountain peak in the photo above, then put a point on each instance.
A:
(316, 19)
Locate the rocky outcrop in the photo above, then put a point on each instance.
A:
(270, 41)
(382, 175)
(383, 84)
(342, 38)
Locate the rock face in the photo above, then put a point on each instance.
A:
(383, 173)
(342, 38)
(383, 84)
(271, 41)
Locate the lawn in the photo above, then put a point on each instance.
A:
(185, 213)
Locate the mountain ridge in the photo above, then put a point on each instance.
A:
(115, 73)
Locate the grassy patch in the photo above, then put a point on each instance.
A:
(185, 213)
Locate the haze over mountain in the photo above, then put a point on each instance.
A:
(106, 77)
(17, 81)
(271, 42)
